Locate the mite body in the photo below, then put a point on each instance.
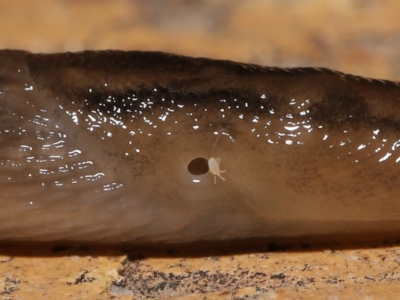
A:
(213, 165)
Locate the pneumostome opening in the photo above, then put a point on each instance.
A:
(198, 166)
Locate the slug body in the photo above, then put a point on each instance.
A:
(95, 147)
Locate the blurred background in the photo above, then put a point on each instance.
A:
(361, 37)
(355, 36)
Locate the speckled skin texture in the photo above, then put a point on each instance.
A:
(357, 37)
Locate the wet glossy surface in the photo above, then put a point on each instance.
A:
(95, 146)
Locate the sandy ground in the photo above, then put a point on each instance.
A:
(359, 37)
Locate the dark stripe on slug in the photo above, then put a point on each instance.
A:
(201, 81)
(339, 109)
(173, 76)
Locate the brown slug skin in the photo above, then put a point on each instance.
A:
(95, 147)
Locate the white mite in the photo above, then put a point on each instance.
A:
(213, 165)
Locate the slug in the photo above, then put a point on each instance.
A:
(124, 147)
